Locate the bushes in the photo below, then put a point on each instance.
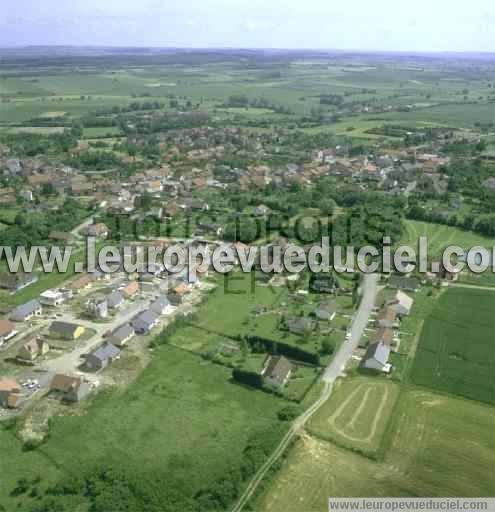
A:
(289, 412)
(259, 344)
(164, 337)
(169, 488)
(248, 378)
(221, 494)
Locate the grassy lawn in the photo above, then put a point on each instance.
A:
(230, 312)
(457, 115)
(410, 329)
(455, 352)
(439, 446)
(356, 414)
(486, 278)
(180, 416)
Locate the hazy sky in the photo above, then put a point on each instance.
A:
(417, 25)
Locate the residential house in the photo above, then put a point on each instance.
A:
(326, 311)
(179, 294)
(145, 321)
(115, 300)
(81, 283)
(27, 195)
(410, 284)
(7, 331)
(121, 335)
(152, 187)
(441, 272)
(52, 298)
(387, 317)
(66, 330)
(97, 308)
(101, 357)
(33, 348)
(13, 166)
(401, 303)
(162, 306)
(378, 352)
(299, 325)
(26, 311)
(384, 335)
(195, 205)
(320, 283)
(99, 230)
(68, 388)
(130, 290)
(10, 393)
(277, 370)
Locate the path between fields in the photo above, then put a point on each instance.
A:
(329, 376)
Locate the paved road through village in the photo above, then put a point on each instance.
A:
(369, 289)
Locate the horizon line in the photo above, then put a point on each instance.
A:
(247, 48)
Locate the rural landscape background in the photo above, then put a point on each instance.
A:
(203, 146)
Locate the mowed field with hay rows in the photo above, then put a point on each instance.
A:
(438, 446)
(357, 414)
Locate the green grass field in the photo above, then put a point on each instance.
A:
(439, 237)
(228, 312)
(357, 413)
(182, 416)
(438, 446)
(455, 115)
(455, 352)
